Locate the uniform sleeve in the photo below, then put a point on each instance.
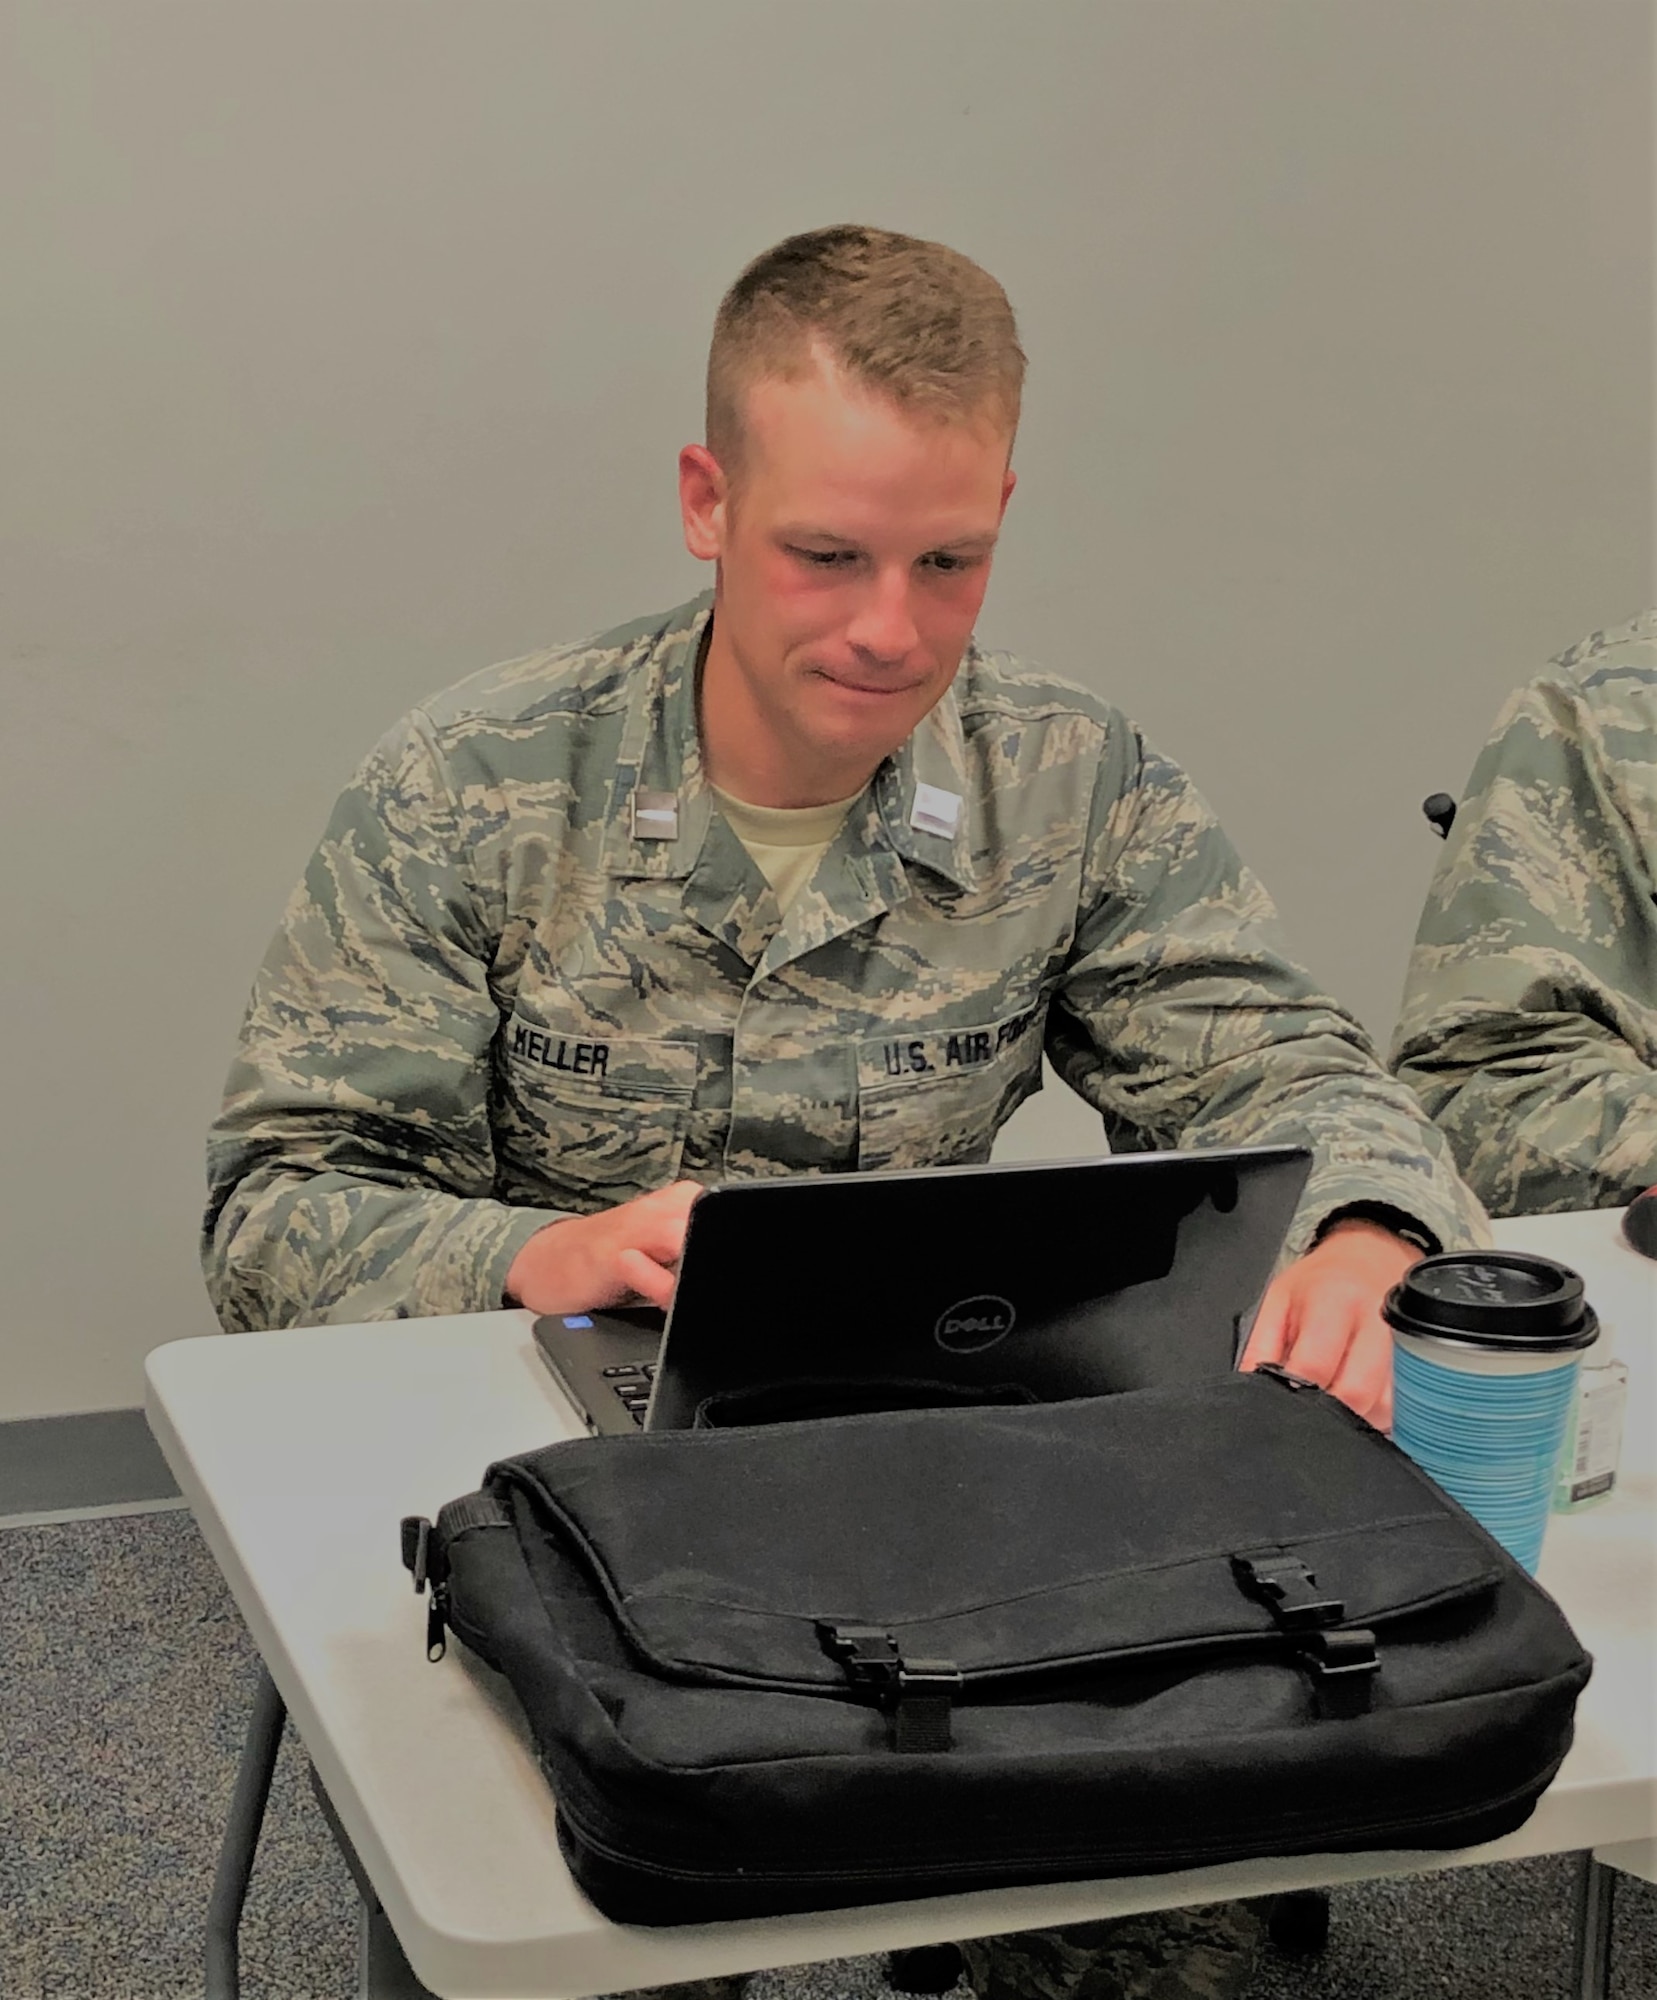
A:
(351, 1170)
(1180, 1018)
(1531, 1000)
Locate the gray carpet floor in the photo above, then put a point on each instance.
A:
(125, 1675)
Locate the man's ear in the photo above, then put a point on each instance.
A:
(1009, 479)
(702, 491)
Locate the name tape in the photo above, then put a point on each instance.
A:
(551, 1051)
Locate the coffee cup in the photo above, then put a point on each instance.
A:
(1486, 1345)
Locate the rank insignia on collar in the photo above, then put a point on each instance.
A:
(935, 811)
(655, 816)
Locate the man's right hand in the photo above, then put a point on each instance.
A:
(619, 1255)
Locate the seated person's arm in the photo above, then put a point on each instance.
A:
(1530, 1012)
(351, 1170)
(1182, 1021)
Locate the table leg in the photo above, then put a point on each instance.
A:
(383, 1970)
(241, 1840)
(1593, 1930)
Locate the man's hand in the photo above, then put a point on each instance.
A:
(619, 1255)
(1321, 1317)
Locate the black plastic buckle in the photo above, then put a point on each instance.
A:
(917, 1694)
(1286, 1587)
(1343, 1666)
(868, 1656)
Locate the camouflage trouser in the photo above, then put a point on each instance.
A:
(1204, 1953)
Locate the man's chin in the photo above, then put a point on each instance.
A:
(877, 726)
(843, 760)
(854, 729)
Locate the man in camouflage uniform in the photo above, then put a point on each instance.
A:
(795, 878)
(1529, 1024)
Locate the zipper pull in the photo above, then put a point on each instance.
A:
(417, 1559)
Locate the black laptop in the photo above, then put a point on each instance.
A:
(1029, 1281)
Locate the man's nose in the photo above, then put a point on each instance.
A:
(884, 626)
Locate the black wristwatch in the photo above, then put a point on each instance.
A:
(1385, 1216)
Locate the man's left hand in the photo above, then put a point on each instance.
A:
(1321, 1317)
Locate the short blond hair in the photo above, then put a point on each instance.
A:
(913, 320)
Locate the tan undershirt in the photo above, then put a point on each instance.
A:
(786, 842)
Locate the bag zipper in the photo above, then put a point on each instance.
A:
(1145, 1861)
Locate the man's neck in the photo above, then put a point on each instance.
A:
(756, 783)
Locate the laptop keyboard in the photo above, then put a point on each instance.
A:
(631, 1385)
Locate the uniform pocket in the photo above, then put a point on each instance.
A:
(588, 1118)
(937, 1097)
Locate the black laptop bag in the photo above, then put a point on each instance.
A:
(847, 1660)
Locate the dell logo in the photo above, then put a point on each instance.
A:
(974, 1323)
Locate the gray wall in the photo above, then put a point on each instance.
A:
(346, 347)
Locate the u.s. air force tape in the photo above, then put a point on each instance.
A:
(951, 1049)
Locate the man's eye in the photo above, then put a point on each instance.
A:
(946, 564)
(825, 558)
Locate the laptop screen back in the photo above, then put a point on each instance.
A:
(1069, 1279)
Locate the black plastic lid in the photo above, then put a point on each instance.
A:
(1494, 1299)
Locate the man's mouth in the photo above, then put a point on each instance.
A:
(851, 684)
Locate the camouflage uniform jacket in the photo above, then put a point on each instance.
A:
(1529, 1025)
(499, 996)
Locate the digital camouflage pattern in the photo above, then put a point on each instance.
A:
(1204, 1953)
(1529, 1024)
(495, 998)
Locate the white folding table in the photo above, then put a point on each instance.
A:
(299, 1451)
